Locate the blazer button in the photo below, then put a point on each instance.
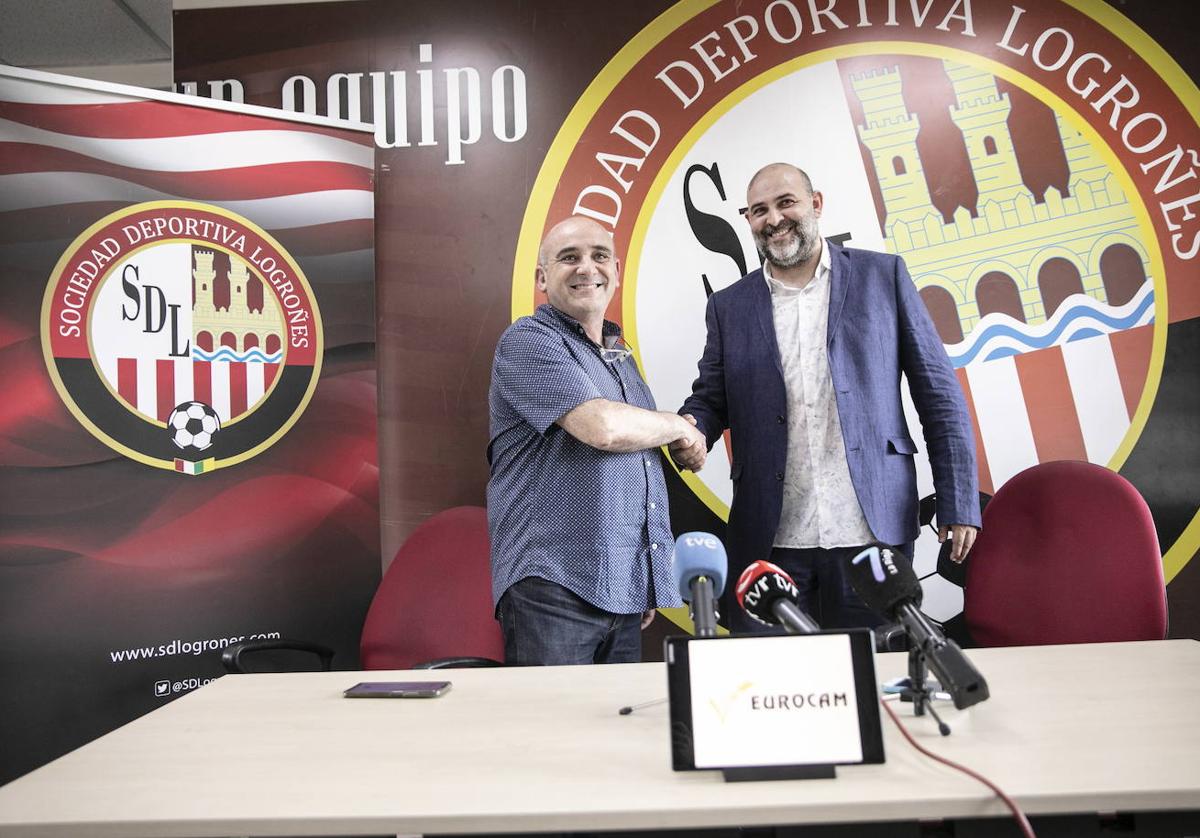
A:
(779, 475)
(779, 419)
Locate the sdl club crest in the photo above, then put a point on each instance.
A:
(181, 335)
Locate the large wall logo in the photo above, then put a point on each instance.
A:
(181, 335)
(1035, 168)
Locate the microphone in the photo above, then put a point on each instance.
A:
(768, 594)
(884, 578)
(698, 567)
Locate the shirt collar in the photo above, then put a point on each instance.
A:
(551, 316)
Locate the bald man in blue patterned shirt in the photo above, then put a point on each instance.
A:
(577, 502)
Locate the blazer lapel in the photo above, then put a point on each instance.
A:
(839, 283)
(764, 313)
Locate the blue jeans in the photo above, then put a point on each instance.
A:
(544, 624)
(825, 591)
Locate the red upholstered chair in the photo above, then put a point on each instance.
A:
(433, 608)
(434, 605)
(1068, 554)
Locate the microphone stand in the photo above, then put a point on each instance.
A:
(929, 648)
(918, 690)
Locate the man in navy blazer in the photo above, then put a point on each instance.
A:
(802, 364)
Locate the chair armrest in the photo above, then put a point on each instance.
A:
(464, 662)
(231, 657)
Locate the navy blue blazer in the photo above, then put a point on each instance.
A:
(878, 329)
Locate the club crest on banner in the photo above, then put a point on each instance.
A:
(181, 335)
(1038, 191)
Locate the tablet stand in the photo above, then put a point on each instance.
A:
(779, 772)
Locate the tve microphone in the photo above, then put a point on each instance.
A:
(699, 566)
(770, 596)
(885, 580)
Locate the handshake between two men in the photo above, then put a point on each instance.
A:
(691, 449)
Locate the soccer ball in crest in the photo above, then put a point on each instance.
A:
(192, 426)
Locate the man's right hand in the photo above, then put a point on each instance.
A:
(691, 449)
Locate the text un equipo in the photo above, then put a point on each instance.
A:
(1090, 75)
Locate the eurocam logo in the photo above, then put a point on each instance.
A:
(1034, 165)
(181, 335)
(798, 701)
(743, 698)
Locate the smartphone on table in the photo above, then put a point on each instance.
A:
(398, 689)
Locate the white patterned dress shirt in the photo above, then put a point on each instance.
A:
(820, 507)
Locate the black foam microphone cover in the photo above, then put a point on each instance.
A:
(883, 577)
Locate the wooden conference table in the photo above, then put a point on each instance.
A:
(1105, 727)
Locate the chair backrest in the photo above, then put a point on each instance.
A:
(1068, 554)
(435, 600)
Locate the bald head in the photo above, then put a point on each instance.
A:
(781, 168)
(575, 231)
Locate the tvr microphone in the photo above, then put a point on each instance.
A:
(768, 594)
(885, 581)
(698, 567)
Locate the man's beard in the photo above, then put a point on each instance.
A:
(787, 254)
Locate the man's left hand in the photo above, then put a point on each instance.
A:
(648, 617)
(963, 536)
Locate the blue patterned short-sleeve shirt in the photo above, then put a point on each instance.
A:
(592, 521)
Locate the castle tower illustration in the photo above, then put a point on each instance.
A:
(1089, 175)
(1014, 255)
(203, 276)
(981, 113)
(891, 135)
(236, 326)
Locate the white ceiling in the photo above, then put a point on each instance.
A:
(125, 41)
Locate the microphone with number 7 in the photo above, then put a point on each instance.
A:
(769, 595)
(885, 580)
(699, 567)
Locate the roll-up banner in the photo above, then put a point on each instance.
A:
(188, 447)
